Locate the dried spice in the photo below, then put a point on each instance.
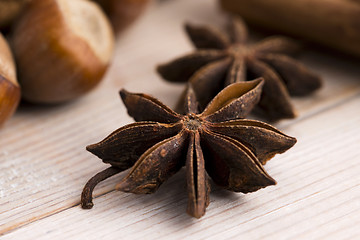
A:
(217, 142)
(222, 59)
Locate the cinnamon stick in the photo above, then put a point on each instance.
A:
(333, 23)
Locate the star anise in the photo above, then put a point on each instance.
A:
(222, 59)
(217, 142)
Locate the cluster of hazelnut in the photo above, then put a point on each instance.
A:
(57, 50)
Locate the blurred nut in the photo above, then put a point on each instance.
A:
(9, 88)
(62, 49)
(123, 12)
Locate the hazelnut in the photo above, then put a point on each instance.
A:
(62, 49)
(9, 88)
(123, 12)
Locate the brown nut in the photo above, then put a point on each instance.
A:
(9, 88)
(123, 12)
(62, 49)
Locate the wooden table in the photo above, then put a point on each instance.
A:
(44, 164)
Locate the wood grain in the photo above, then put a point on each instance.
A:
(44, 164)
(318, 187)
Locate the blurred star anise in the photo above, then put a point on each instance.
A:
(216, 142)
(222, 59)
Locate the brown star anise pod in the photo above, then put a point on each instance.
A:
(216, 142)
(222, 59)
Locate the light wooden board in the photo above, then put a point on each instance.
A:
(317, 195)
(44, 165)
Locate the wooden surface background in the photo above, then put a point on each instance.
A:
(44, 165)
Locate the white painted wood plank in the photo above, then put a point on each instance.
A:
(317, 197)
(42, 158)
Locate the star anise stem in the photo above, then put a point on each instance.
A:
(86, 195)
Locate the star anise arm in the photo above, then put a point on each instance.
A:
(206, 83)
(264, 140)
(237, 30)
(191, 105)
(155, 166)
(209, 80)
(234, 102)
(299, 80)
(237, 71)
(197, 182)
(276, 44)
(206, 37)
(143, 107)
(125, 145)
(232, 165)
(275, 101)
(181, 69)
(122, 148)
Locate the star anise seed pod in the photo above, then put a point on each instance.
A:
(217, 142)
(222, 59)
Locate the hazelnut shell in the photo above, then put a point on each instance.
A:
(62, 48)
(9, 88)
